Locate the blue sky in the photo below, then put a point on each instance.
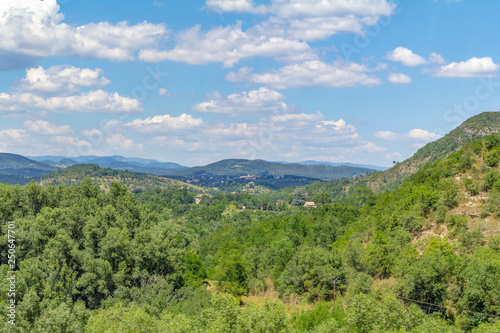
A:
(193, 82)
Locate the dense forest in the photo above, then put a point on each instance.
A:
(424, 257)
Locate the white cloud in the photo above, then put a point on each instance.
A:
(121, 142)
(394, 155)
(227, 45)
(435, 58)
(17, 135)
(306, 8)
(237, 6)
(370, 147)
(422, 135)
(112, 125)
(35, 28)
(163, 92)
(44, 127)
(70, 142)
(318, 28)
(273, 137)
(58, 89)
(61, 79)
(164, 123)
(93, 133)
(294, 119)
(412, 135)
(387, 135)
(474, 67)
(399, 78)
(311, 74)
(263, 100)
(406, 57)
(98, 101)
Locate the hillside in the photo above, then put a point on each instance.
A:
(103, 177)
(242, 167)
(422, 258)
(17, 169)
(473, 128)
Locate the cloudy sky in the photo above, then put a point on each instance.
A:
(193, 82)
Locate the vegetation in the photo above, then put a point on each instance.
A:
(17, 169)
(424, 257)
(135, 182)
(472, 129)
(240, 167)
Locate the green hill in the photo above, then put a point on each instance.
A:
(473, 128)
(17, 169)
(242, 167)
(75, 174)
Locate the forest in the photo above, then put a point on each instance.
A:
(424, 257)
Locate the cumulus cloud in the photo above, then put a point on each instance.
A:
(236, 6)
(305, 135)
(98, 101)
(227, 45)
(474, 67)
(13, 134)
(58, 89)
(61, 79)
(44, 127)
(399, 78)
(435, 58)
(121, 142)
(263, 100)
(283, 35)
(311, 74)
(412, 135)
(306, 8)
(406, 57)
(70, 142)
(35, 28)
(164, 123)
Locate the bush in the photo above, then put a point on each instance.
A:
(492, 157)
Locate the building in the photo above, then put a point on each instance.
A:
(310, 204)
(198, 198)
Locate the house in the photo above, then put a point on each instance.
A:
(198, 198)
(310, 204)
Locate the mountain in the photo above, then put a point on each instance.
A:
(75, 174)
(242, 167)
(365, 166)
(473, 128)
(17, 169)
(133, 164)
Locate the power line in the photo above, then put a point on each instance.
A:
(431, 306)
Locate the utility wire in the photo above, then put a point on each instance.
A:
(431, 306)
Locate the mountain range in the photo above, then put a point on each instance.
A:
(19, 169)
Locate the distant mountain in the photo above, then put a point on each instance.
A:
(133, 164)
(17, 169)
(473, 128)
(365, 166)
(241, 167)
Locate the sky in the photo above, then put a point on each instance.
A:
(194, 82)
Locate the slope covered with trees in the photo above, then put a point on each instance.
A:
(104, 177)
(17, 169)
(241, 167)
(422, 258)
(473, 128)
